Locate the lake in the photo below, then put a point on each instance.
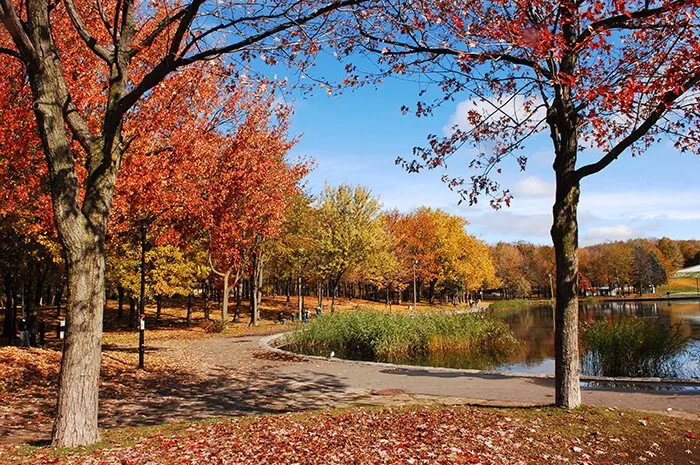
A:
(535, 326)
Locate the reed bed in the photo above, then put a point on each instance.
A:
(371, 335)
(631, 347)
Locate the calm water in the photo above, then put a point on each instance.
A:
(535, 326)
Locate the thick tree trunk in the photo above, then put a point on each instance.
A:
(76, 412)
(565, 239)
(563, 121)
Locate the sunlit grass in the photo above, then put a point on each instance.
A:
(371, 335)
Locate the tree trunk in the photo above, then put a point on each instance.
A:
(206, 300)
(120, 302)
(254, 282)
(300, 302)
(259, 290)
(562, 119)
(76, 412)
(132, 312)
(320, 295)
(189, 309)
(224, 303)
(431, 291)
(59, 298)
(9, 327)
(565, 239)
(159, 300)
(239, 298)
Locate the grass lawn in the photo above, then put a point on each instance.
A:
(408, 435)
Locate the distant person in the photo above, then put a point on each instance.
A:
(23, 333)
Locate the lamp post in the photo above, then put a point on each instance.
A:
(551, 288)
(145, 246)
(415, 301)
(300, 303)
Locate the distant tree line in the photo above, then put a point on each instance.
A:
(524, 269)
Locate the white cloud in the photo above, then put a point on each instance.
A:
(532, 186)
(512, 226)
(510, 105)
(619, 232)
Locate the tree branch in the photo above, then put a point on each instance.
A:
(623, 20)
(296, 22)
(10, 52)
(9, 18)
(661, 108)
(84, 33)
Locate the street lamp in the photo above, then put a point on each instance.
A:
(415, 262)
(551, 288)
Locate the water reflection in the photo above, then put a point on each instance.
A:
(535, 327)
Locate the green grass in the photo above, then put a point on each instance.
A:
(370, 335)
(631, 347)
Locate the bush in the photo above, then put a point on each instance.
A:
(631, 347)
(370, 335)
(214, 326)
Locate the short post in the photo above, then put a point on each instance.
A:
(142, 330)
(61, 329)
(42, 333)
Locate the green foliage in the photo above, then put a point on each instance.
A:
(349, 229)
(389, 337)
(631, 347)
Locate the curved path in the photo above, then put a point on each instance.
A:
(251, 378)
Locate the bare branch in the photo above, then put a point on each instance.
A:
(295, 22)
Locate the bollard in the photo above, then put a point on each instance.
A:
(142, 330)
(61, 329)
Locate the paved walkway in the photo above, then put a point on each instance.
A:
(293, 383)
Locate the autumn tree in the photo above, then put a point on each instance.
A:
(248, 188)
(124, 51)
(671, 253)
(613, 76)
(349, 227)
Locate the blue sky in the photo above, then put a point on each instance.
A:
(356, 137)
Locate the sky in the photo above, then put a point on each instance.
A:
(356, 137)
